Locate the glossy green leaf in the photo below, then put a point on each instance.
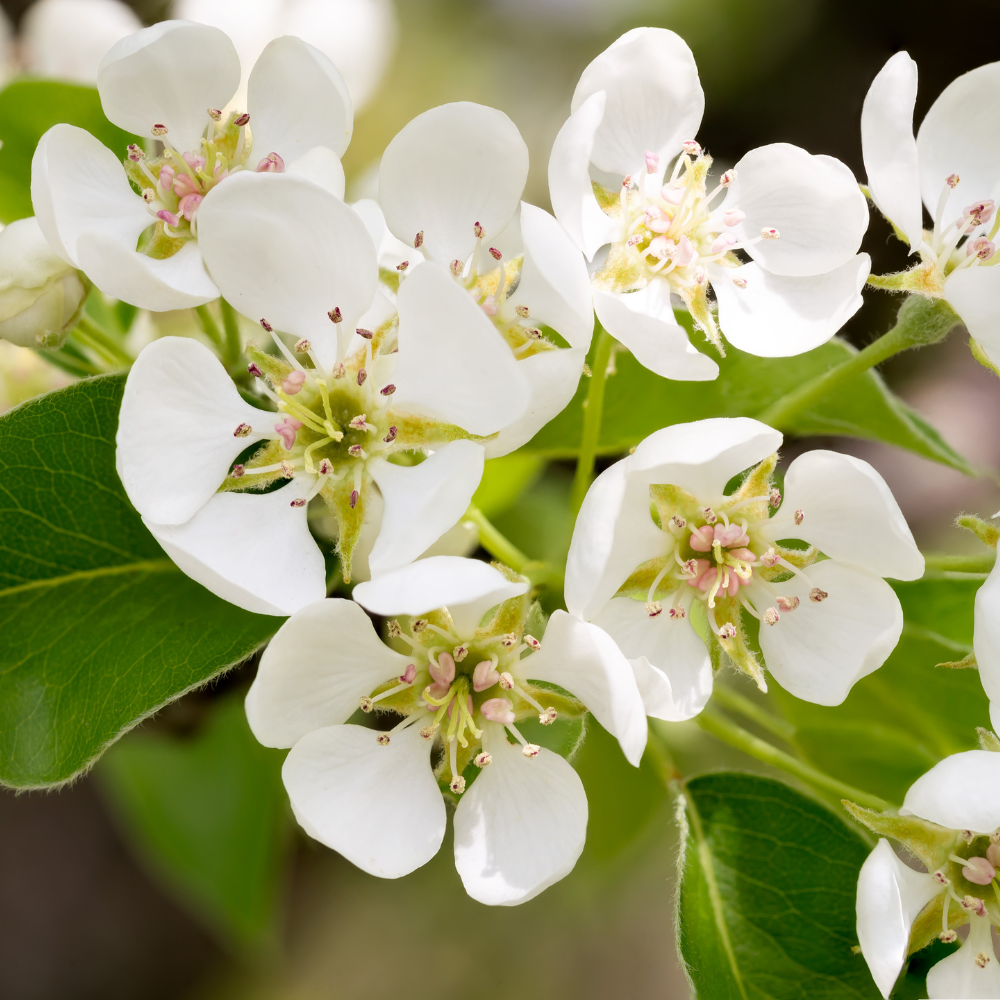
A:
(28, 109)
(637, 402)
(766, 903)
(100, 628)
(207, 814)
(505, 479)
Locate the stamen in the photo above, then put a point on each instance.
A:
(403, 265)
(418, 240)
(387, 390)
(382, 739)
(254, 370)
(498, 710)
(799, 517)
(677, 613)
(727, 631)
(391, 436)
(271, 164)
(485, 675)
(817, 596)
(238, 471)
(362, 375)
(460, 653)
(335, 315)
(354, 499)
(478, 230)
(293, 382)
(769, 233)
(483, 759)
(522, 311)
(243, 119)
(495, 254)
(215, 114)
(787, 603)
(654, 608)
(771, 616)
(302, 346)
(242, 431)
(159, 129)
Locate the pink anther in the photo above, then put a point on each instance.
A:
(723, 242)
(652, 161)
(293, 382)
(656, 219)
(188, 205)
(286, 430)
(686, 252)
(271, 164)
(979, 870)
(733, 217)
(484, 676)
(185, 184)
(980, 247)
(498, 710)
(443, 671)
(702, 538)
(409, 674)
(167, 174)
(168, 217)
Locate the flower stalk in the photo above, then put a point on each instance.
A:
(592, 414)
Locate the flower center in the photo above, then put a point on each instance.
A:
(965, 241)
(971, 871)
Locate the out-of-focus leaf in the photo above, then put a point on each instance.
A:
(28, 109)
(766, 905)
(505, 479)
(541, 524)
(637, 402)
(207, 815)
(100, 628)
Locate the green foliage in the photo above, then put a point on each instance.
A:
(28, 109)
(100, 628)
(766, 902)
(206, 813)
(505, 479)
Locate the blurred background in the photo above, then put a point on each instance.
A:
(173, 871)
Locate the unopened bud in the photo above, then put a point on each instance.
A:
(382, 739)
(770, 233)
(243, 119)
(238, 471)
(335, 315)
(159, 129)
(787, 603)
(365, 703)
(771, 616)
(817, 596)
(483, 759)
(728, 631)
(495, 254)
(418, 240)
(242, 431)
(215, 114)
(478, 230)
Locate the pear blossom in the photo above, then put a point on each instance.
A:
(665, 561)
(201, 464)
(986, 639)
(168, 82)
(952, 168)
(632, 186)
(465, 678)
(450, 185)
(950, 822)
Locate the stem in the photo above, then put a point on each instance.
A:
(592, 413)
(70, 364)
(209, 325)
(98, 339)
(737, 702)
(919, 321)
(505, 551)
(959, 564)
(234, 347)
(729, 732)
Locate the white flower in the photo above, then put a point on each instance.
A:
(960, 795)
(374, 796)
(953, 168)
(799, 218)
(41, 296)
(358, 36)
(653, 584)
(986, 639)
(169, 81)
(450, 183)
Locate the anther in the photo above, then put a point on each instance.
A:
(170, 218)
(267, 326)
(495, 254)
(242, 431)
(293, 382)
(387, 390)
(531, 750)
(427, 732)
(356, 451)
(728, 631)
(769, 233)
(710, 517)
(968, 836)
(339, 371)
(238, 471)
(485, 676)
(771, 616)
(159, 129)
(787, 603)
(534, 333)
(457, 784)
(700, 275)
(335, 315)
(952, 180)
(498, 710)
(271, 164)
(941, 878)
(418, 240)
(817, 596)
(326, 467)
(982, 960)
(740, 282)
(980, 247)
(459, 653)
(382, 739)
(298, 502)
(362, 375)
(135, 153)
(456, 268)
(254, 370)
(302, 346)
(677, 613)
(358, 422)
(770, 558)
(522, 311)
(392, 629)
(418, 625)
(975, 905)
(478, 230)
(365, 703)
(483, 759)
(799, 516)
(979, 870)
(508, 640)
(287, 469)
(506, 681)
(733, 217)
(403, 265)
(354, 499)
(366, 334)
(409, 674)
(774, 497)
(948, 936)
(727, 178)
(531, 642)
(652, 161)
(391, 436)
(654, 608)
(215, 114)
(148, 194)
(547, 717)
(243, 119)
(627, 182)
(678, 522)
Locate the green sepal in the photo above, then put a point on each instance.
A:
(270, 454)
(987, 740)
(736, 648)
(982, 357)
(757, 484)
(969, 660)
(927, 926)
(987, 533)
(349, 519)
(927, 842)
(160, 246)
(672, 500)
(413, 431)
(275, 369)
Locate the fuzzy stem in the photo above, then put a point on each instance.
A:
(593, 411)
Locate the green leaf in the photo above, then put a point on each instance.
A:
(505, 479)
(766, 903)
(100, 628)
(637, 402)
(28, 109)
(207, 814)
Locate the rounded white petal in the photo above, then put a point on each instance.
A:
(297, 99)
(889, 149)
(654, 99)
(658, 342)
(169, 74)
(390, 250)
(452, 361)
(176, 438)
(67, 39)
(422, 501)
(849, 513)
(253, 550)
(570, 188)
(961, 792)
(890, 896)
(78, 186)
(986, 634)
(281, 249)
(775, 316)
(322, 166)
(449, 168)
(819, 651)
(960, 975)
(974, 293)
(613, 534)
(521, 825)
(813, 201)
(468, 588)
(671, 662)
(314, 671)
(961, 135)
(379, 806)
(584, 660)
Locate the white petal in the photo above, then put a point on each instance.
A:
(169, 74)
(961, 135)
(584, 660)
(849, 513)
(959, 975)
(314, 671)
(78, 186)
(423, 501)
(654, 98)
(889, 149)
(613, 534)
(818, 652)
(322, 166)
(702, 456)
(379, 806)
(67, 39)
(657, 342)
(176, 428)
(452, 361)
(253, 550)
(986, 635)
(961, 792)
(776, 316)
(468, 588)
(281, 249)
(297, 99)
(449, 168)
(390, 250)
(890, 896)
(974, 293)
(521, 826)
(670, 660)
(813, 201)
(570, 188)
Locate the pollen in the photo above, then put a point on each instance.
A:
(654, 608)
(238, 471)
(418, 240)
(254, 370)
(302, 346)
(771, 616)
(483, 759)
(242, 431)
(728, 631)
(382, 739)
(547, 717)
(298, 502)
(365, 334)
(427, 732)
(159, 129)
(335, 315)
(799, 516)
(787, 603)
(948, 936)
(531, 750)
(495, 254)
(243, 119)
(676, 614)
(457, 784)
(365, 704)
(817, 596)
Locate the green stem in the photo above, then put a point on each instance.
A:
(505, 551)
(736, 702)
(729, 732)
(70, 363)
(592, 413)
(959, 564)
(919, 321)
(234, 347)
(209, 325)
(98, 339)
